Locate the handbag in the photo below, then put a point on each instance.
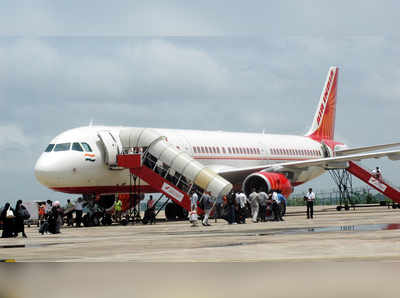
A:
(193, 216)
(10, 213)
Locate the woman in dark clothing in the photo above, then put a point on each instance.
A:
(19, 219)
(8, 223)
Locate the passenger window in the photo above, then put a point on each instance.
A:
(76, 147)
(86, 147)
(62, 147)
(49, 148)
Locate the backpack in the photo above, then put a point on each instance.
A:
(25, 214)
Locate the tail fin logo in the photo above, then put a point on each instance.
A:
(323, 126)
(325, 98)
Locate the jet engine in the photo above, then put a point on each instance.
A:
(266, 181)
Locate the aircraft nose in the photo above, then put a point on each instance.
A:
(50, 171)
(43, 170)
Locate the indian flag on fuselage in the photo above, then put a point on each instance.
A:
(90, 157)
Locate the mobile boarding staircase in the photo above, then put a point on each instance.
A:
(343, 180)
(166, 168)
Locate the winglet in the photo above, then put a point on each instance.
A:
(323, 126)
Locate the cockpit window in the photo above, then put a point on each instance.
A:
(86, 147)
(49, 148)
(62, 147)
(76, 147)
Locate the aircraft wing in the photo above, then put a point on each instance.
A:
(365, 149)
(326, 163)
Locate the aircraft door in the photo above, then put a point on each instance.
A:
(112, 147)
(326, 150)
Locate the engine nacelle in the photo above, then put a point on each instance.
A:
(266, 181)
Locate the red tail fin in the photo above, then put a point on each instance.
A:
(323, 126)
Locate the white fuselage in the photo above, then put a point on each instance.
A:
(74, 170)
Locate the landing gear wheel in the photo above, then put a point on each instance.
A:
(171, 211)
(347, 207)
(338, 208)
(394, 206)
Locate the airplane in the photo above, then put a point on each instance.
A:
(84, 160)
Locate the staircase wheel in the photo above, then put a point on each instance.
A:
(338, 208)
(347, 207)
(182, 213)
(171, 211)
(394, 206)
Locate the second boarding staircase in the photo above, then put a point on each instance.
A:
(166, 168)
(379, 184)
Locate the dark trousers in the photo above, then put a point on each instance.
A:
(310, 209)
(263, 212)
(276, 211)
(78, 217)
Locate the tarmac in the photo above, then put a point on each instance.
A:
(364, 234)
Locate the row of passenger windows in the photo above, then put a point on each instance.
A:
(67, 146)
(223, 150)
(298, 152)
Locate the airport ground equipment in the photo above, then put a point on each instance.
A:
(380, 184)
(343, 179)
(168, 169)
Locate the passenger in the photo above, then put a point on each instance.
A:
(42, 213)
(52, 219)
(48, 207)
(69, 209)
(193, 201)
(208, 204)
(282, 204)
(377, 173)
(20, 215)
(310, 197)
(7, 216)
(227, 209)
(78, 212)
(253, 200)
(118, 210)
(218, 208)
(232, 208)
(276, 210)
(150, 215)
(262, 200)
(242, 207)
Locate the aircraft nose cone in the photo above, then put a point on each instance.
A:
(43, 171)
(50, 170)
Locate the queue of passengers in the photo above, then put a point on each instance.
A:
(236, 207)
(51, 215)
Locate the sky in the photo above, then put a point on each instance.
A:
(218, 65)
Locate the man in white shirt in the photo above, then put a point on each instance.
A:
(193, 201)
(377, 173)
(208, 204)
(253, 200)
(310, 197)
(78, 212)
(262, 198)
(242, 208)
